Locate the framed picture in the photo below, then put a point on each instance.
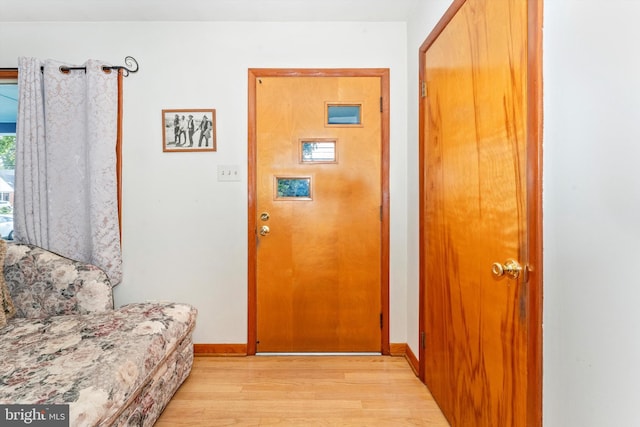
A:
(188, 130)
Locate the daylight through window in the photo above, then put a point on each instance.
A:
(8, 115)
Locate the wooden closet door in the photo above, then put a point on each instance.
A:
(478, 322)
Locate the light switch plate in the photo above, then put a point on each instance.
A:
(228, 173)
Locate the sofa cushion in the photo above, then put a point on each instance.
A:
(7, 309)
(43, 283)
(96, 362)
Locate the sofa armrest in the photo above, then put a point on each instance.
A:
(43, 283)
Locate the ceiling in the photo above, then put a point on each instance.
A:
(206, 10)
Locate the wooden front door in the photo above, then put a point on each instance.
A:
(480, 209)
(318, 214)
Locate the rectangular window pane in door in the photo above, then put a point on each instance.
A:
(344, 114)
(293, 188)
(318, 151)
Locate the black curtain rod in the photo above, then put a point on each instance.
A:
(129, 60)
(132, 67)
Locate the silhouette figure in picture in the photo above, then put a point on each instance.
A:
(191, 129)
(176, 130)
(205, 131)
(183, 129)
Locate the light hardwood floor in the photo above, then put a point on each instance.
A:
(302, 391)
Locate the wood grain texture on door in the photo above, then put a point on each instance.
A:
(474, 213)
(318, 270)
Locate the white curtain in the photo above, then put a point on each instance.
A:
(65, 183)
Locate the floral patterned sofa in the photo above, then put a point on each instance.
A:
(67, 344)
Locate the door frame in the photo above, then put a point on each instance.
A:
(534, 200)
(252, 236)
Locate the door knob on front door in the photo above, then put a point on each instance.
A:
(511, 268)
(264, 230)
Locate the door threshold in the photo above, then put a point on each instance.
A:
(321, 354)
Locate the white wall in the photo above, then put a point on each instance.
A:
(591, 213)
(426, 16)
(184, 233)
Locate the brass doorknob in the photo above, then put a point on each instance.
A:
(264, 230)
(511, 268)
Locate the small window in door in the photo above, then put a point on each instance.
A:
(292, 188)
(318, 150)
(349, 115)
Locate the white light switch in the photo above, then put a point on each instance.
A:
(228, 173)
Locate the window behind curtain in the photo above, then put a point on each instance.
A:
(8, 112)
(8, 118)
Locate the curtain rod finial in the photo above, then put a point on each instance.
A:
(131, 63)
